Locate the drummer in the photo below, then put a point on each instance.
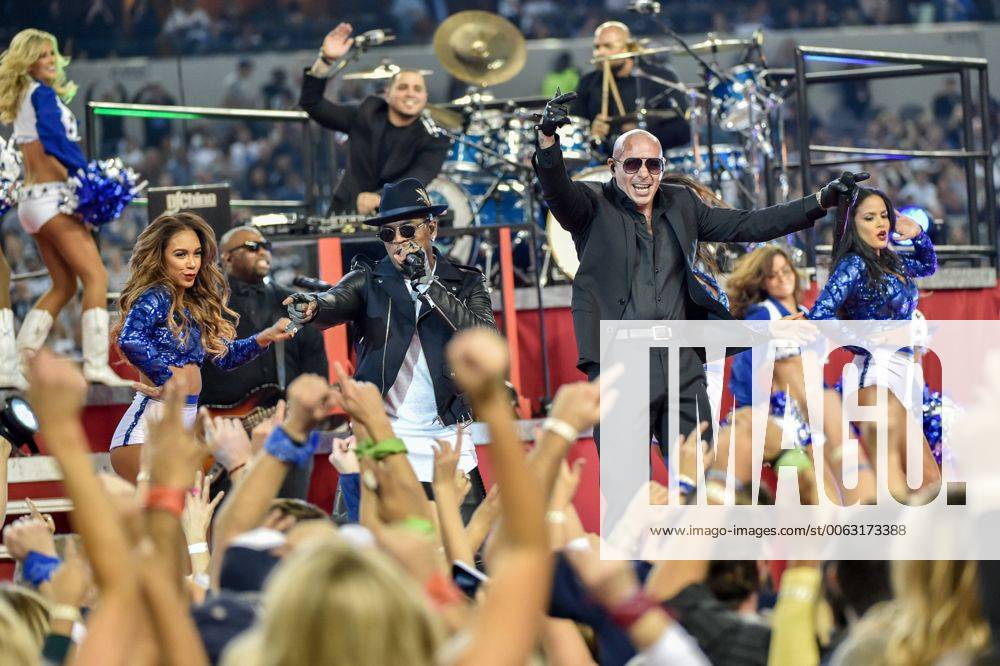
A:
(386, 141)
(631, 76)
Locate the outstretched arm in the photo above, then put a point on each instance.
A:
(845, 279)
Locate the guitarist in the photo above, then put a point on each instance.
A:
(246, 263)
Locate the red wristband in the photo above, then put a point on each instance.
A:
(627, 613)
(166, 498)
(442, 590)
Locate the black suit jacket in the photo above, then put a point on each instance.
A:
(418, 155)
(605, 239)
(377, 303)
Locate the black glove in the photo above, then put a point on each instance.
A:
(414, 265)
(556, 113)
(299, 306)
(830, 195)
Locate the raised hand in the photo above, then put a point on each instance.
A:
(446, 461)
(28, 534)
(362, 401)
(337, 42)
(343, 455)
(175, 453)
(906, 228)
(71, 582)
(478, 357)
(263, 430)
(310, 399)
(844, 186)
(556, 113)
(199, 509)
(227, 440)
(57, 391)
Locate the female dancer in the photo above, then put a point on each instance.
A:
(173, 309)
(33, 89)
(871, 282)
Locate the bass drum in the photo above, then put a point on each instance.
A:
(560, 241)
(460, 249)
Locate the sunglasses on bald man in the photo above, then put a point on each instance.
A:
(654, 165)
(253, 246)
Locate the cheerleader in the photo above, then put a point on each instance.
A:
(33, 92)
(869, 281)
(174, 314)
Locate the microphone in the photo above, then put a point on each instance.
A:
(373, 38)
(429, 124)
(644, 7)
(312, 284)
(414, 259)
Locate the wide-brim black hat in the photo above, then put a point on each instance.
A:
(405, 200)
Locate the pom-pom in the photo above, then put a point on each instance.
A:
(100, 191)
(10, 175)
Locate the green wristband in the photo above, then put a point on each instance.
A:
(361, 448)
(416, 524)
(794, 458)
(385, 448)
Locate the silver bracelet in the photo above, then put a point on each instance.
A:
(560, 428)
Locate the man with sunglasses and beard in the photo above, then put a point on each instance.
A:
(246, 261)
(405, 310)
(637, 238)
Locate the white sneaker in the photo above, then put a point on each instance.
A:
(96, 322)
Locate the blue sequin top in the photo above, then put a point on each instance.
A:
(890, 298)
(709, 281)
(150, 345)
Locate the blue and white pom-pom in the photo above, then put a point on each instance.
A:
(99, 192)
(801, 433)
(10, 175)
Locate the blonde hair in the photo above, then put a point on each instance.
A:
(330, 603)
(16, 643)
(746, 284)
(205, 300)
(31, 607)
(936, 611)
(24, 50)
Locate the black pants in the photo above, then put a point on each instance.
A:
(694, 404)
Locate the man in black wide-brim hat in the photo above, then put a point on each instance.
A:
(406, 309)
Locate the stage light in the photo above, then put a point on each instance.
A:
(918, 215)
(18, 423)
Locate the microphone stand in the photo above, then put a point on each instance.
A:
(707, 72)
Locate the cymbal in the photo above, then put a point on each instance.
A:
(383, 71)
(713, 45)
(446, 118)
(480, 48)
(474, 98)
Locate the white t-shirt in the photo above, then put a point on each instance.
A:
(416, 420)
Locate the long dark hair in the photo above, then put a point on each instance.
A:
(846, 240)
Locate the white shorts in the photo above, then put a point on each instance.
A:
(37, 204)
(132, 428)
(899, 372)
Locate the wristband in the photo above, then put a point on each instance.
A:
(38, 568)
(555, 517)
(686, 484)
(627, 613)
(421, 526)
(165, 498)
(326, 61)
(197, 548)
(560, 428)
(442, 590)
(142, 476)
(236, 469)
(381, 450)
(65, 612)
(796, 458)
(287, 450)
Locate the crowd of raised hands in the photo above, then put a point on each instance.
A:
(167, 572)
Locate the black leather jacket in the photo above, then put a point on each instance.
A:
(378, 303)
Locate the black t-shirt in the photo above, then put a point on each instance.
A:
(392, 136)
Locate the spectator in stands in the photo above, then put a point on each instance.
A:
(237, 88)
(187, 27)
(156, 129)
(564, 75)
(276, 93)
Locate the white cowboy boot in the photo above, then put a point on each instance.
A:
(10, 370)
(96, 322)
(34, 330)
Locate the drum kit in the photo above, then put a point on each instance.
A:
(487, 177)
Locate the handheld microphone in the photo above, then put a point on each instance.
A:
(429, 124)
(312, 284)
(373, 38)
(644, 7)
(414, 259)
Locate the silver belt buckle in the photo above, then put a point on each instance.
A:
(661, 333)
